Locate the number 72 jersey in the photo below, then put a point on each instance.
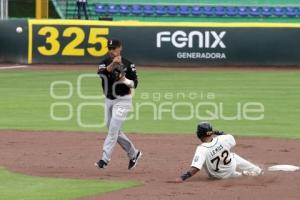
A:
(216, 157)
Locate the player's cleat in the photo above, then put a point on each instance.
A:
(101, 164)
(133, 162)
(253, 173)
(261, 172)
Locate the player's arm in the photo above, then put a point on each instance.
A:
(105, 68)
(191, 172)
(115, 62)
(102, 68)
(217, 132)
(130, 79)
(197, 164)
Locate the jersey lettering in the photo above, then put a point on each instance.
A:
(224, 156)
(216, 150)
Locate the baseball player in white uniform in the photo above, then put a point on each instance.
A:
(215, 156)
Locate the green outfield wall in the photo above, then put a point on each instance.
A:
(13, 45)
(151, 43)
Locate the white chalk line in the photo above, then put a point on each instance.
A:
(14, 67)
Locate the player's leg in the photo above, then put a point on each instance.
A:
(127, 145)
(120, 110)
(108, 111)
(78, 9)
(133, 153)
(84, 4)
(246, 167)
(233, 173)
(123, 140)
(107, 116)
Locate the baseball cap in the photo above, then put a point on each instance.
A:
(112, 43)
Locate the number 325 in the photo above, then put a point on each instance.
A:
(72, 49)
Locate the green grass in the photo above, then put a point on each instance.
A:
(17, 186)
(25, 101)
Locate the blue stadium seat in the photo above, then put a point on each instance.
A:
(279, 11)
(231, 11)
(197, 10)
(136, 9)
(149, 10)
(298, 11)
(291, 11)
(267, 11)
(220, 11)
(113, 9)
(243, 11)
(172, 10)
(124, 9)
(184, 10)
(161, 10)
(208, 11)
(255, 11)
(101, 9)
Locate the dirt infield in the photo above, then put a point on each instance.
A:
(59, 154)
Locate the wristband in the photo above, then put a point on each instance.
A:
(129, 83)
(185, 176)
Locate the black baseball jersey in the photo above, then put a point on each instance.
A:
(108, 86)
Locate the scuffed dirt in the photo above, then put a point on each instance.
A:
(72, 155)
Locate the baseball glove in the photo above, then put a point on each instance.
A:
(118, 72)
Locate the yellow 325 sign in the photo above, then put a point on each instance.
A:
(53, 45)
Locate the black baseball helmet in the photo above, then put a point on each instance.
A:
(113, 43)
(204, 129)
